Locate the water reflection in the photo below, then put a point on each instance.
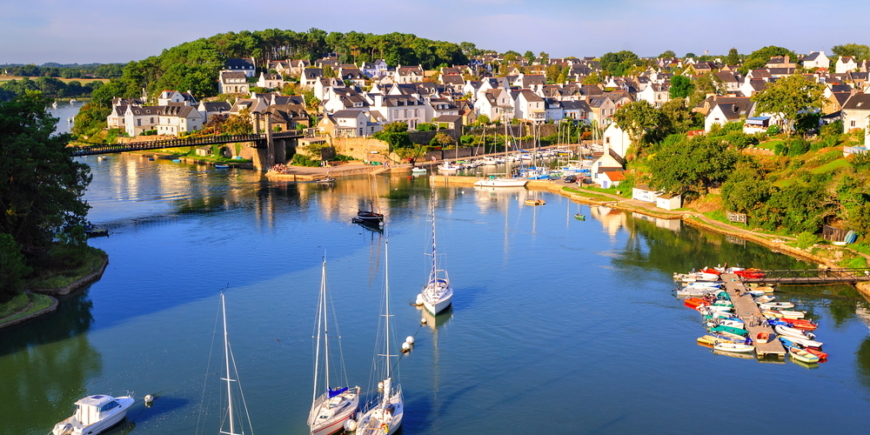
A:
(46, 365)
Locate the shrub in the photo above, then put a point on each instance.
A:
(773, 130)
(426, 126)
(805, 240)
(303, 160)
(798, 147)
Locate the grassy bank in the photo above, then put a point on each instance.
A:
(60, 267)
(23, 305)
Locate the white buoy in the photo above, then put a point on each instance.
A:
(149, 399)
(350, 425)
(419, 300)
(409, 340)
(406, 347)
(423, 321)
(380, 385)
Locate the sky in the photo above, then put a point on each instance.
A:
(86, 31)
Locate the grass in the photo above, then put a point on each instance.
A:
(8, 311)
(55, 276)
(770, 145)
(586, 194)
(831, 166)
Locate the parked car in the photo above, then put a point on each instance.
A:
(570, 178)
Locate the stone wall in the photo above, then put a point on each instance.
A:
(361, 148)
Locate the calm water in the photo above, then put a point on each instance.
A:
(65, 113)
(558, 326)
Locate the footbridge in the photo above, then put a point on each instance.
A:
(271, 147)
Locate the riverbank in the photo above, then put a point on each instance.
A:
(50, 281)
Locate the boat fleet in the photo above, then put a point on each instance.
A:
(727, 332)
(531, 166)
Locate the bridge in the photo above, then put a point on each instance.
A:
(811, 276)
(267, 154)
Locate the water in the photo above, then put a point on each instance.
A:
(558, 325)
(65, 112)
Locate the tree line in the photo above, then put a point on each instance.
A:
(70, 71)
(49, 86)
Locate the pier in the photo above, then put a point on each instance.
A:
(811, 276)
(746, 309)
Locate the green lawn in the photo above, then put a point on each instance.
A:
(58, 276)
(9, 309)
(831, 166)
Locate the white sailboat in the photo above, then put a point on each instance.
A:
(231, 416)
(385, 416)
(330, 409)
(503, 181)
(437, 294)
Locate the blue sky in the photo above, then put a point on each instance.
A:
(83, 31)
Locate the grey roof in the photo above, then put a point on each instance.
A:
(448, 118)
(239, 64)
(233, 75)
(347, 113)
(734, 107)
(858, 102)
(812, 56)
(576, 105)
(216, 106)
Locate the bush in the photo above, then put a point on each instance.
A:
(12, 268)
(806, 239)
(425, 126)
(798, 147)
(773, 130)
(302, 160)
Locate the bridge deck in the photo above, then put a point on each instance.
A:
(177, 143)
(746, 308)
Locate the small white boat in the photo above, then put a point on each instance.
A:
(94, 414)
(734, 347)
(775, 305)
(448, 167)
(805, 342)
(793, 332)
(418, 170)
(501, 182)
(763, 299)
(736, 323)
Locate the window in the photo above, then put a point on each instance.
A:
(853, 123)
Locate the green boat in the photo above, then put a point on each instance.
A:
(730, 329)
(579, 217)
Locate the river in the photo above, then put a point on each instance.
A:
(558, 325)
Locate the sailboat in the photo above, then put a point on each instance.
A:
(230, 417)
(369, 217)
(330, 409)
(384, 417)
(503, 181)
(437, 294)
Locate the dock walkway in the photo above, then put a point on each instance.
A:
(746, 308)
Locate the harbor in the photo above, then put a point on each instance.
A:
(542, 303)
(747, 310)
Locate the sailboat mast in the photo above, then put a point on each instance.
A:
(325, 326)
(387, 302)
(432, 277)
(227, 358)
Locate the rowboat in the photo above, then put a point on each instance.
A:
(804, 342)
(729, 329)
(695, 302)
(535, 202)
(764, 299)
(822, 355)
(719, 308)
(734, 347)
(802, 355)
(762, 337)
(783, 314)
(775, 305)
(792, 332)
(710, 340)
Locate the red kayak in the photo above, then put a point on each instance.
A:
(695, 302)
(822, 356)
(749, 274)
(711, 271)
(802, 324)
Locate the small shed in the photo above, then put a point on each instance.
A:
(669, 201)
(642, 192)
(203, 151)
(611, 177)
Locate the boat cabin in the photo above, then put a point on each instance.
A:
(91, 409)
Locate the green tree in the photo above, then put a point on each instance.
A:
(788, 98)
(13, 269)
(41, 186)
(669, 54)
(591, 79)
(733, 57)
(681, 87)
(545, 57)
(691, 165)
(238, 124)
(676, 117)
(638, 119)
(395, 134)
(442, 140)
(746, 189)
(616, 64)
(529, 56)
(483, 120)
(759, 58)
(858, 51)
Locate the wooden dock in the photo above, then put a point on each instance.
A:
(746, 308)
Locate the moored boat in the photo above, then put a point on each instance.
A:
(775, 305)
(762, 337)
(792, 332)
(94, 415)
(802, 355)
(734, 347)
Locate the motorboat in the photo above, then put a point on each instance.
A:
(792, 332)
(804, 342)
(763, 299)
(802, 324)
(501, 182)
(448, 167)
(418, 170)
(535, 202)
(734, 347)
(775, 305)
(95, 414)
(785, 314)
(730, 329)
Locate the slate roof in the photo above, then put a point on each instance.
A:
(858, 102)
(239, 64)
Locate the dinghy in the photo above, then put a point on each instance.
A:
(792, 332)
(802, 355)
(775, 305)
(734, 347)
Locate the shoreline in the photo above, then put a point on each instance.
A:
(50, 309)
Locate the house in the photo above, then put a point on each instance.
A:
(252, 105)
(655, 94)
(780, 62)
(729, 109)
(310, 76)
(669, 201)
(321, 87)
(285, 117)
(730, 80)
(211, 108)
(610, 177)
(233, 82)
(270, 81)
(756, 124)
(344, 98)
(376, 69)
(529, 106)
(350, 73)
(348, 123)
(834, 103)
(496, 104)
(176, 119)
(453, 122)
(855, 112)
(402, 108)
(409, 74)
(576, 110)
(602, 108)
(530, 81)
(751, 86)
(140, 118)
(617, 140)
(184, 98)
(846, 64)
(817, 59)
(248, 66)
(608, 161)
(443, 107)
(116, 118)
(296, 67)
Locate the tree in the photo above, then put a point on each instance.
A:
(442, 140)
(669, 54)
(529, 56)
(760, 57)
(545, 57)
(483, 120)
(238, 124)
(788, 98)
(637, 119)
(858, 51)
(617, 63)
(733, 57)
(41, 186)
(746, 189)
(12, 268)
(691, 165)
(681, 87)
(591, 79)
(396, 135)
(690, 55)
(676, 117)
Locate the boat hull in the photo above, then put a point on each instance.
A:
(502, 182)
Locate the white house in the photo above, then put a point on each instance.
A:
(245, 65)
(409, 74)
(855, 112)
(167, 97)
(846, 64)
(655, 94)
(669, 201)
(530, 106)
(270, 81)
(310, 76)
(817, 59)
(233, 82)
(174, 120)
(729, 109)
(644, 193)
(616, 139)
(140, 118)
(402, 108)
(349, 123)
(497, 104)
